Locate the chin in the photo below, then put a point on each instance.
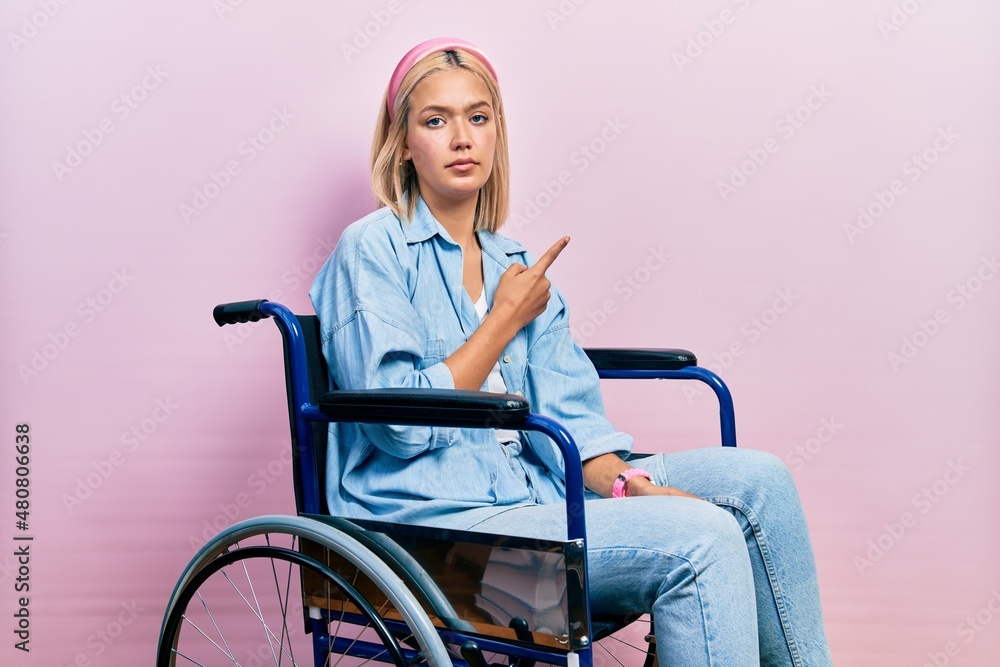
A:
(466, 189)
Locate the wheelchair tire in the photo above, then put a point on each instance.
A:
(240, 601)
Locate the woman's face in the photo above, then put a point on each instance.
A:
(451, 136)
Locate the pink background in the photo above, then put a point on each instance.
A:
(108, 289)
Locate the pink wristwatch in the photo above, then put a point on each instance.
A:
(618, 490)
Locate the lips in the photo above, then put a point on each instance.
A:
(462, 165)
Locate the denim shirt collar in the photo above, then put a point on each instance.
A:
(423, 225)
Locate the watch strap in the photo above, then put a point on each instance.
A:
(618, 490)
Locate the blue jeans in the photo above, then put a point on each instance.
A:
(730, 582)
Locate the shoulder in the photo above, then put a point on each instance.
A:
(365, 280)
(378, 229)
(368, 250)
(374, 245)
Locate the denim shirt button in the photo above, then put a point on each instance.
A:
(506, 358)
(518, 393)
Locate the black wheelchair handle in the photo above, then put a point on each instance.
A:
(239, 311)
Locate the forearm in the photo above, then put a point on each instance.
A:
(520, 297)
(471, 363)
(600, 472)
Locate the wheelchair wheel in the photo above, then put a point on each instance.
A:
(285, 590)
(631, 646)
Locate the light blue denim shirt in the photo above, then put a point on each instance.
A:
(392, 307)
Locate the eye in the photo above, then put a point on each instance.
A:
(434, 122)
(480, 118)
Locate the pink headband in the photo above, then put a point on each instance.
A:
(421, 51)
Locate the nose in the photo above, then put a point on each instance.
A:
(462, 138)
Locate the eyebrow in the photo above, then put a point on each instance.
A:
(441, 109)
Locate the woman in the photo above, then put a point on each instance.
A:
(425, 293)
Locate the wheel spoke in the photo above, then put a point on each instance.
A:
(343, 611)
(222, 636)
(267, 630)
(354, 640)
(283, 604)
(225, 651)
(260, 614)
(622, 641)
(613, 656)
(192, 661)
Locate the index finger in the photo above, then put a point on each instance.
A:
(545, 261)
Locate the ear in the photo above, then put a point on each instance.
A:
(405, 155)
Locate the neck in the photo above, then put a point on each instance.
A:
(457, 217)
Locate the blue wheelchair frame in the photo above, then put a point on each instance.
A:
(468, 410)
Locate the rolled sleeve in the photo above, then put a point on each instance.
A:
(370, 353)
(439, 376)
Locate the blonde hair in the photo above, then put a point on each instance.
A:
(394, 181)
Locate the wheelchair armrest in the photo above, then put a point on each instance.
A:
(653, 359)
(433, 407)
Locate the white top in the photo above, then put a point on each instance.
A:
(495, 383)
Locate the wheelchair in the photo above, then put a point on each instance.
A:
(322, 590)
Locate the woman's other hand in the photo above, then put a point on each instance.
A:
(640, 486)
